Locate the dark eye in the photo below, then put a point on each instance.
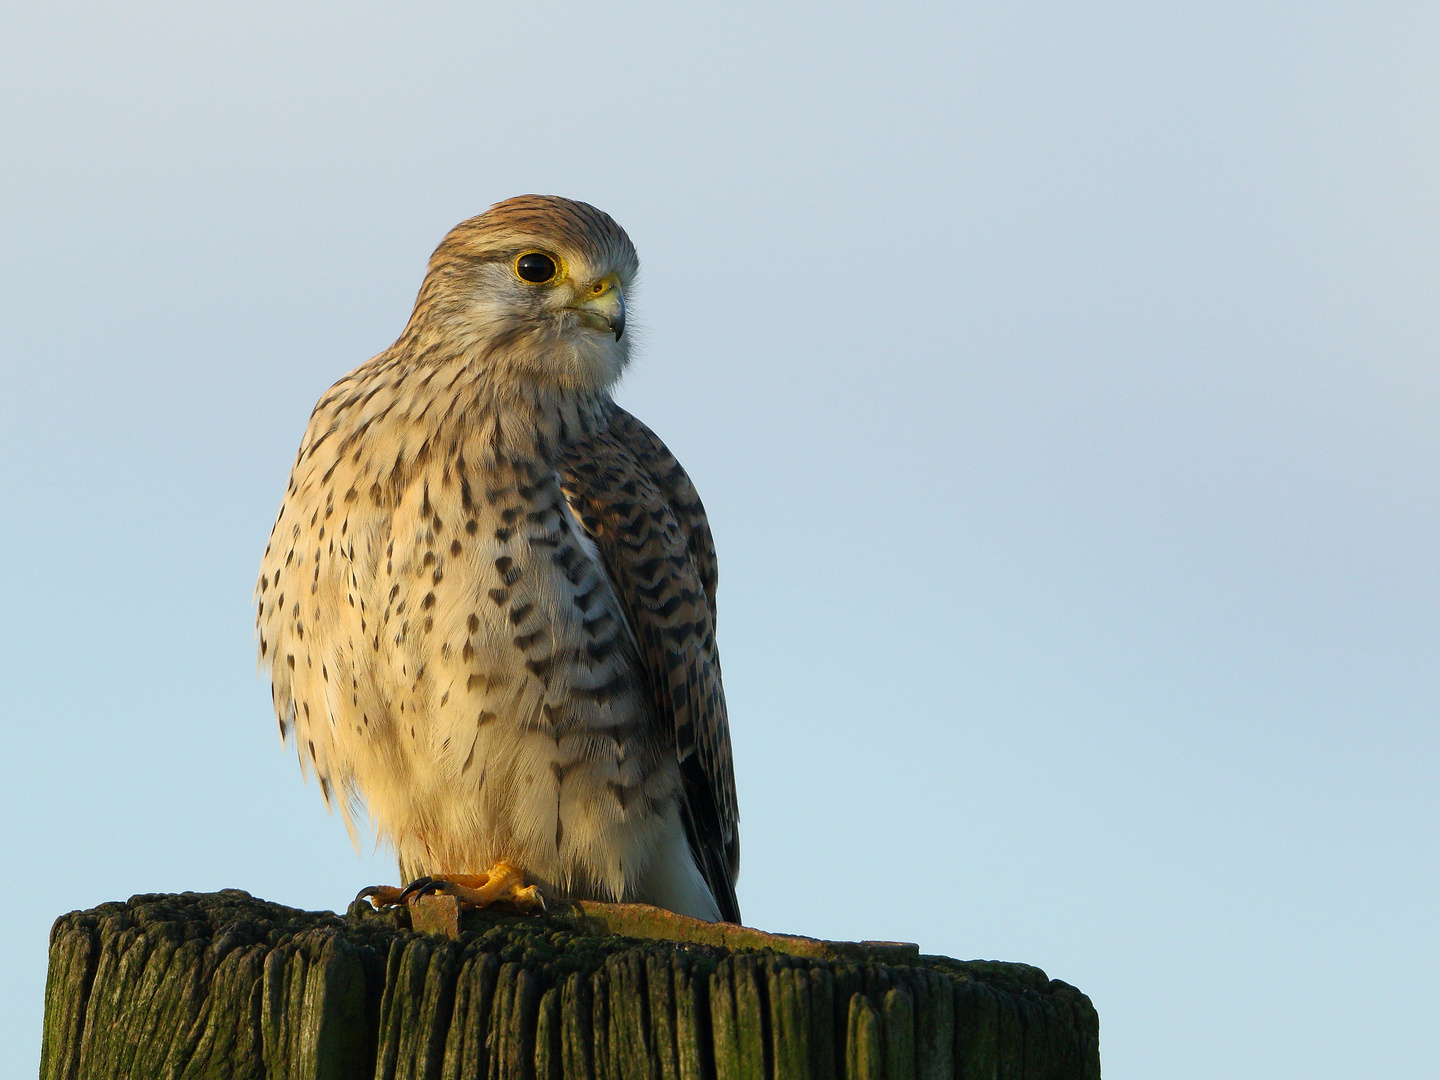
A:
(535, 267)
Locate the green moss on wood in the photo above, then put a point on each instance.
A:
(224, 985)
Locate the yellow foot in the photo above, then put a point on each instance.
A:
(502, 883)
(382, 895)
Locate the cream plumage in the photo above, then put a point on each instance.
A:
(487, 604)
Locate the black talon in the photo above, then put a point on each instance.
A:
(369, 891)
(421, 886)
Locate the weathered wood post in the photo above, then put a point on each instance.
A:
(212, 985)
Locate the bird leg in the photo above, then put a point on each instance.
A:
(503, 882)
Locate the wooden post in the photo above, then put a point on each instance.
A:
(221, 985)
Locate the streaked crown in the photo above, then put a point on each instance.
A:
(573, 229)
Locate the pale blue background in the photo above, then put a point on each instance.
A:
(1061, 380)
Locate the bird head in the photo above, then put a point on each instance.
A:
(534, 289)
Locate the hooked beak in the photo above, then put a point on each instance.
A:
(606, 307)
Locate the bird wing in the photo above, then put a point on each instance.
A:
(648, 524)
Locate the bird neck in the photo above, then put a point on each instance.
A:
(493, 391)
(521, 420)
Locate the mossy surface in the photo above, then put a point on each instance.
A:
(226, 985)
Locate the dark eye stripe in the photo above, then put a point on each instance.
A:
(535, 267)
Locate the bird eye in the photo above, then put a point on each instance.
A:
(535, 267)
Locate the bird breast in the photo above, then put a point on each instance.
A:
(457, 657)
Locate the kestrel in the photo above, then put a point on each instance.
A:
(488, 602)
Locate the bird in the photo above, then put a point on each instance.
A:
(487, 604)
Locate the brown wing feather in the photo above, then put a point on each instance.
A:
(640, 508)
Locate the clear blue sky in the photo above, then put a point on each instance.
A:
(1061, 380)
